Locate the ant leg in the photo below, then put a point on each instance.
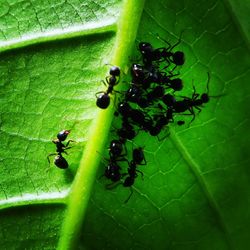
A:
(140, 173)
(99, 93)
(168, 63)
(172, 75)
(69, 143)
(123, 159)
(48, 157)
(194, 95)
(178, 40)
(160, 38)
(107, 82)
(174, 68)
(145, 162)
(118, 80)
(47, 169)
(116, 91)
(131, 192)
(113, 185)
(199, 109)
(164, 137)
(192, 113)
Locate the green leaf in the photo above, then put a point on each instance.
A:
(195, 192)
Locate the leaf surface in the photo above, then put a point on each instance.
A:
(195, 192)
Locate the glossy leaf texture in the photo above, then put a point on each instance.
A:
(53, 56)
(195, 192)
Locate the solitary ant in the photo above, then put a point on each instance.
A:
(59, 160)
(103, 99)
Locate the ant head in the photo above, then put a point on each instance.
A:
(115, 71)
(145, 47)
(136, 66)
(137, 70)
(178, 58)
(61, 136)
(205, 98)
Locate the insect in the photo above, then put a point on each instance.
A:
(127, 131)
(103, 98)
(161, 121)
(116, 148)
(150, 54)
(155, 94)
(112, 171)
(169, 100)
(143, 76)
(59, 160)
(138, 159)
(195, 102)
(175, 84)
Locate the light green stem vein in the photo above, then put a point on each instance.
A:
(59, 34)
(203, 185)
(35, 199)
(82, 186)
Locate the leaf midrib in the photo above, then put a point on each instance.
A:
(84, 180)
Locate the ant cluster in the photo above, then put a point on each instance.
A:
(149, 105)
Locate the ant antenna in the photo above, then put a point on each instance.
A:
(131, 192)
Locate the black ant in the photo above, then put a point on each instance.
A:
(127, 131)
(150, 54)
(169, 100)
(59, 160)
(142, 76)
(138, 159)
(127, 112)
(156, 93)
(116, 148)
(175, 84)
(161, 121)
(192, 103)
(112, 171)
(103, 99)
